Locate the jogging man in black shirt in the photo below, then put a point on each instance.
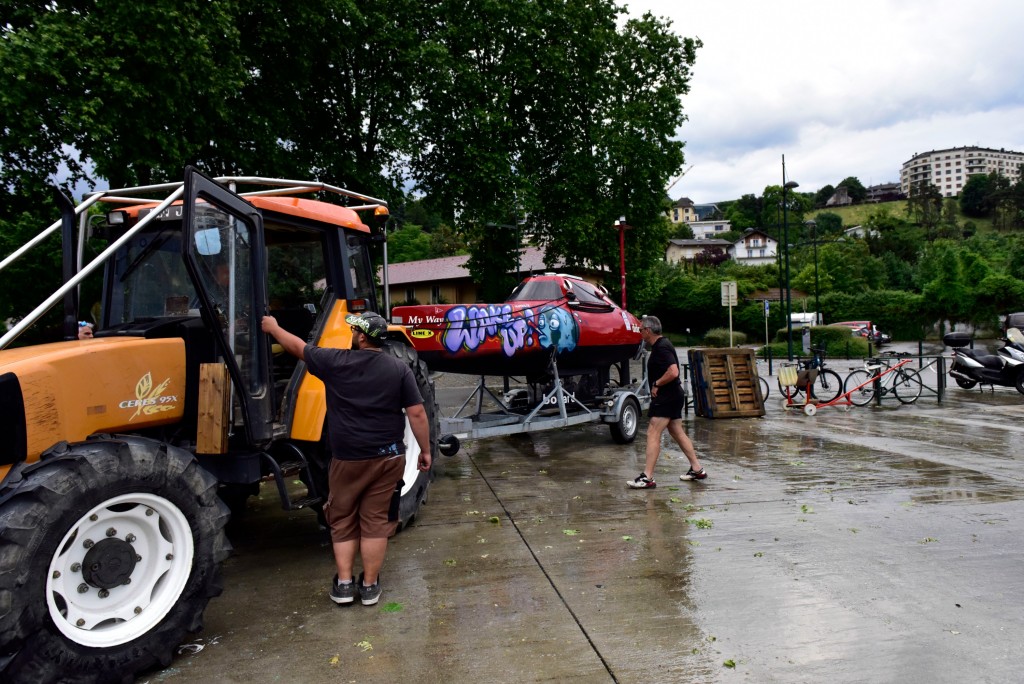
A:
(366, 393)
(666, 410)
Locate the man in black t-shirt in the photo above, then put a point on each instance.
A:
(666, 410)
(366, 392)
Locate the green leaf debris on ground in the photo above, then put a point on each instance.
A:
(700, 523)
(450, 562)
(627, 537)
(570, 533)
(392, 607)
(730, 663)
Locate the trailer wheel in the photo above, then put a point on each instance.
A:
(110, 550)
(414, 491)
(624, 429)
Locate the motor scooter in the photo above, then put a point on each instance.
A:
(971, 367)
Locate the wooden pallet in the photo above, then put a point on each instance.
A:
(725, 383)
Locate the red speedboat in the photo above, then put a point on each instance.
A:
(549, 315)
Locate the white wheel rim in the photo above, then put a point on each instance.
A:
(629, 419)
(161, 539)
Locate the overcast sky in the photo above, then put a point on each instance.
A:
(842, 89)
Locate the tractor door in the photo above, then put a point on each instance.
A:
(224, 254)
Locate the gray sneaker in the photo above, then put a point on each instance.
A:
(369, 595)
(343, 592)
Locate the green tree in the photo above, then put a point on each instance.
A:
(745, 212)
(828, 224)
(975, 197)
(558, 113)
(924, 206)
(856, 190)
(409, 243)
(822, 196)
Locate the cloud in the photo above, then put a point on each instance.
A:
(852, 89)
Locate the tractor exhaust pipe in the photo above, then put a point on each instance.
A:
(69, 264)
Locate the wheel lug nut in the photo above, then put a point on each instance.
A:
(169, 556)
(149, 511)
(104, 593)
(94, 517)
(127, 580)
(76, 567)
(111, 532)
(80, 622)
(56, 574)
(130, 538)
(138, 558)
(82, 588)
(138, 610)
(87, 543)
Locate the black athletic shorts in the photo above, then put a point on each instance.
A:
(668, 408)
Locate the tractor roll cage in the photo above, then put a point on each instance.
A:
(143, 194)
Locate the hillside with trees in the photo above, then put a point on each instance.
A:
(921, 263)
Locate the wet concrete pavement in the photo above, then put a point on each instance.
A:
(862, 545)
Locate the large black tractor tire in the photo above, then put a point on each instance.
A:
(414, 489)
(110, 550)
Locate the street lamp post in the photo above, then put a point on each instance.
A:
(622, 227)
(785, 231)
(813, 225)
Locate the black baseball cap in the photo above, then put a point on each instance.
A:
(372, 324)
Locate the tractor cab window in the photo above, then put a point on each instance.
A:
(360, 273)
(149, 277)
(224, 262)
(296, 284)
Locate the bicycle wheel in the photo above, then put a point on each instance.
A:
(907, 386)
(827, 387)
(864, 395)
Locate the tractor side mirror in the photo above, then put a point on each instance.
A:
(208, 241)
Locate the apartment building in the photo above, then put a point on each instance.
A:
(948, 170)
(682, 211)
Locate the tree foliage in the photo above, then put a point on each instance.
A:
(515, 123)
(562, 114)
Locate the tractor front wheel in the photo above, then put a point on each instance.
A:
(110, 550)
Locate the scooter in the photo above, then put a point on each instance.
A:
(971, 367)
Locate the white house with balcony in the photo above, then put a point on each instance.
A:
(755, 248)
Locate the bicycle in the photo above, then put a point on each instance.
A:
(825, 388)
(879, 377)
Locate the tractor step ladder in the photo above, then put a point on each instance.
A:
(283, 470)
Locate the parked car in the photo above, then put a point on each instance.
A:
(865, 329)
(1013, 320)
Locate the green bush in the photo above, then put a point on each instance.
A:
(838, 342)
(719, 337)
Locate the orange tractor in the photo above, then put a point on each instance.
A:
(122, 450)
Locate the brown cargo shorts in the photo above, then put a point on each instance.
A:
(363, 499)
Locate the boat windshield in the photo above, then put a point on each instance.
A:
(536, 291)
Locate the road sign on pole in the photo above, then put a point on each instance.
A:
(729, 293)
(729, 300)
